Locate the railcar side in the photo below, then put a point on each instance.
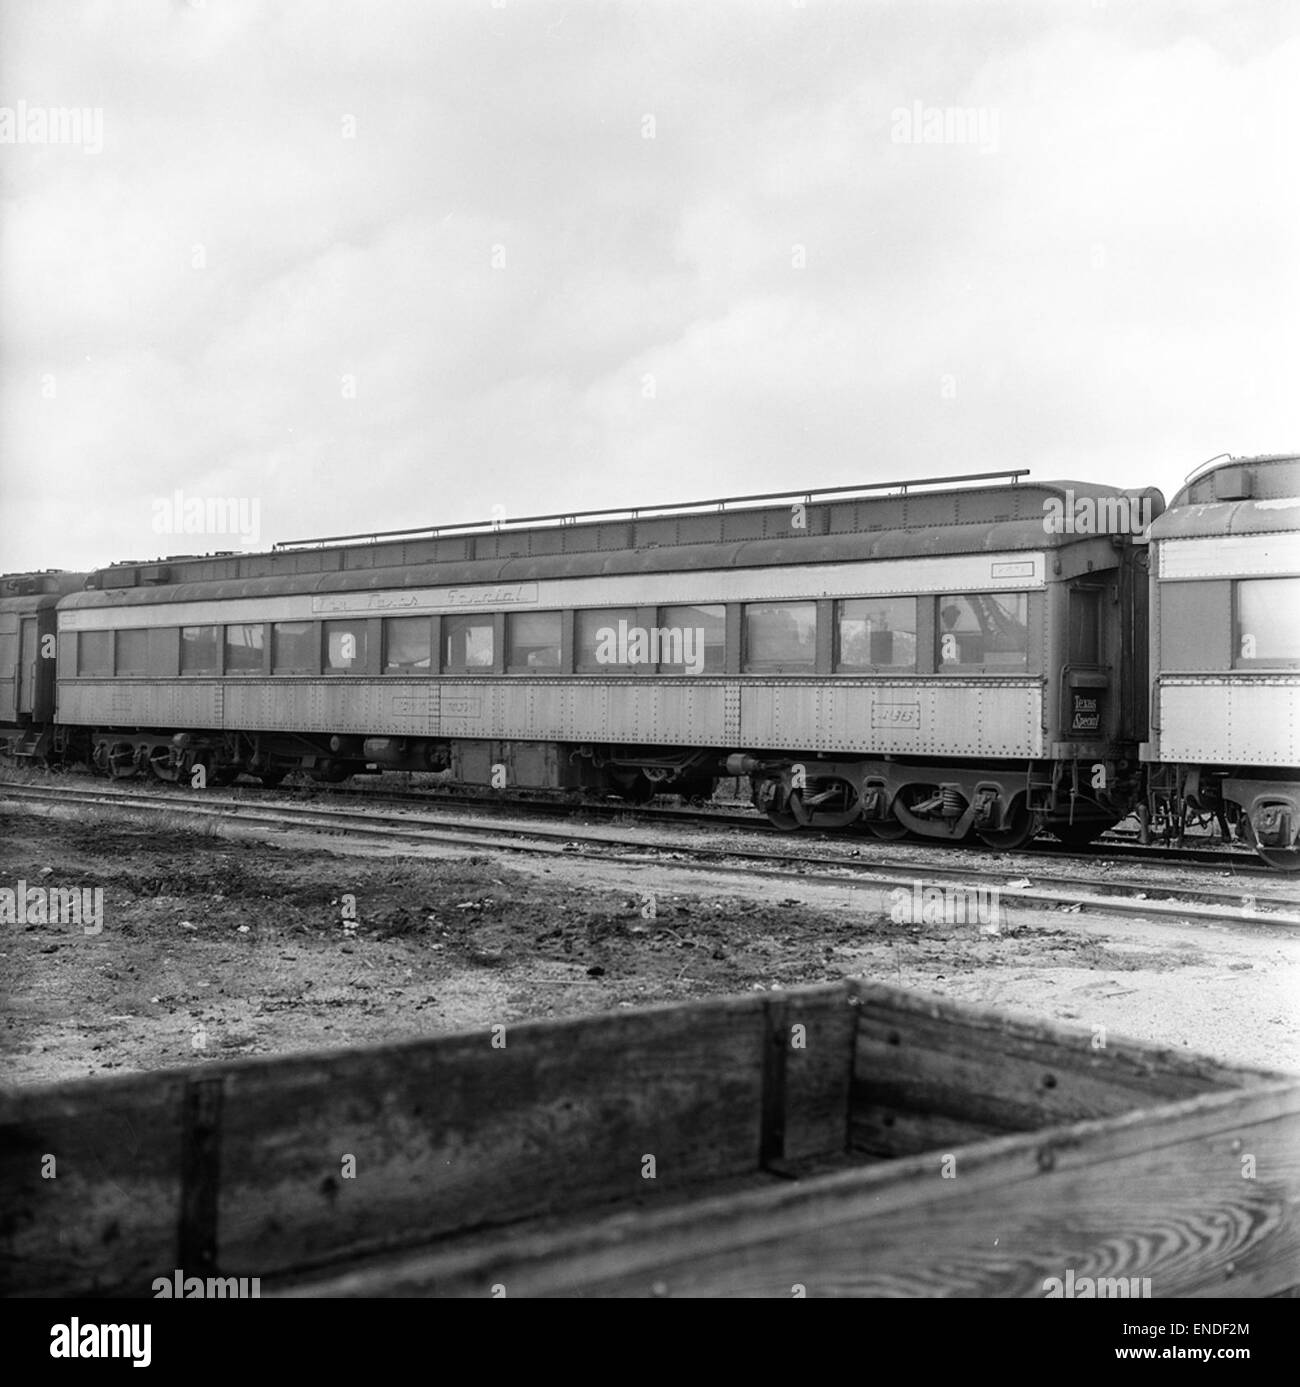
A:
(1225, 653)
(940, 662)
(28, 635)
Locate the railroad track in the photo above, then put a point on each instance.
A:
(884, 870)
(1118, 845)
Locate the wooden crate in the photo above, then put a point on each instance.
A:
(848, 1139)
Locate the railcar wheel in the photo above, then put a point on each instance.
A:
(1283, 859)
(841, 806)
(888, 829)
(1018, 831)
(1280, 859)
(1081, 832)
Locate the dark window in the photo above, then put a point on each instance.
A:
(244, 649)
(132, 652)
(780, 637)
(693, 640)
(987, 631)
(1085, 626)
(95, 652)
(467, 646)
(408, 645)
(198, 649)
(533, 642)
(293, 647)
(1268, 622)
(875, 633)
(345, 647)
(606, 641)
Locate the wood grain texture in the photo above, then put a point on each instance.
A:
(930, 1074)
(441, 1135)
(109, 1216)
(1157, 1195)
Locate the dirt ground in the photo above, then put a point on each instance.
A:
(254, 943)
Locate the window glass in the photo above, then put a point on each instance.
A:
(780, 636)
(875, 633)
(132, 652)
(95, 652)
(533, 641)
(610, 641)
(467, 644)
(244, 649)
(1085, 626)
(345, 647)
(408, 645)
(293, 647)
(984, 631)
(1268, 622)
(198, 649)
(693, 640)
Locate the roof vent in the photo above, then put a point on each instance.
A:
(1232, 484)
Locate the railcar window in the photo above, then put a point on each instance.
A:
(467, 646)
(132, 652)
(1268, 622)
(609, 641)
(696, 640)
(533, 641)
(780, 637)
(408, 645)
(293, 647)
(1085, 626)
(875, 633)
(345, 647)
(244, 649)
(95, 652)
(198, 649)
(987, 630)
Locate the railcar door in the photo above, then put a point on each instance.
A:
(1084, 685)
(28, 653)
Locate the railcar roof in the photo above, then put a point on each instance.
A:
(722, 534)
(1235, 496)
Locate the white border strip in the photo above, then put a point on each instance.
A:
(884, 577)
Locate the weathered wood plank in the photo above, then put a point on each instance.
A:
(108, 1215)
(253, 1167)
(1159, 1194)
(931, 1073)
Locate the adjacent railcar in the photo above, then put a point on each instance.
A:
(1225, 652)
(28, 627)
(966, 659)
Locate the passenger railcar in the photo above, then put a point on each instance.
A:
(28, 637)
(1225, 650)
(950, 659)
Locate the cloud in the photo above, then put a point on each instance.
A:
(378, 265)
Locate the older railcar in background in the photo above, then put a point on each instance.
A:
(27, 660)
(1225, 653)
(966, 659)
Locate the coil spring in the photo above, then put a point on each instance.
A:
(953, 802)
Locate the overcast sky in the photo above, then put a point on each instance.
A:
(377, 265)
